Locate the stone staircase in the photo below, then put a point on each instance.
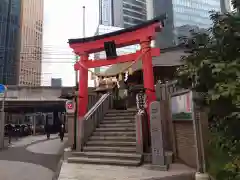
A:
(113, 142)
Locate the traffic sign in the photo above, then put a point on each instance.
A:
(3, 89)
(70, 106)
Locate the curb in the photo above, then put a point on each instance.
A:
(61, 160)
(184, 176)
(59, 166)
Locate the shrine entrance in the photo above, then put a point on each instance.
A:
(142, 35)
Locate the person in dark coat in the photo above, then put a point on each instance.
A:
(61, 131)
(10, 130)
(47, 130)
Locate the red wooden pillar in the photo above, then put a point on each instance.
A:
(83, 88)
(148, 77)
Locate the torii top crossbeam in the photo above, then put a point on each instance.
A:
(141, 34)
(125, 37)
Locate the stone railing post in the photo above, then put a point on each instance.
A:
(80, 134)
(70, 128)
(139, 133)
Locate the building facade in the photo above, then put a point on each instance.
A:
(122, 13)
(31, 43)
(106, 14)
(134, 12)
(182, 14)
(10, 11)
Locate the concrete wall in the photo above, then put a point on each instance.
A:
(185, 142)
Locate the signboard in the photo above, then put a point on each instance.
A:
(182, 107)
(3, 89)
(70, 106)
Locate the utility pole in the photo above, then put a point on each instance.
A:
(76, 88)
(5, 69)
(84, 19)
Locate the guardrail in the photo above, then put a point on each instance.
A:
(90, 121)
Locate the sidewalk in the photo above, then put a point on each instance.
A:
(24, 141)
(103, 172)
(32, 157)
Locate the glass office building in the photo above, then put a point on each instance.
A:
(122, 13)
(9, 40)
(134, 12)
(183, 15)
(195, 12)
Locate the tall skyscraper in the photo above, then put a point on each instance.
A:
(9, 40)
(31, 42)
(106, 12)
(134, 12)
(182, 14)
(122, 13)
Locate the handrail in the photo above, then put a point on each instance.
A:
(90, 121)
(98, 103)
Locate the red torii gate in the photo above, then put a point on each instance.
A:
(141, 34)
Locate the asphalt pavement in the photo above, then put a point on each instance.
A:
(32, 157)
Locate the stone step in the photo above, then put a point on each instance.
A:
(111, 143)
(119, 117)
(120, 114)
(121, 134)
(132, 125)
(122, 121)
(109, 149)
(168, 157)
(103, 161)
(122, 111)
(116, 129)
(121, 156)
(113, 138)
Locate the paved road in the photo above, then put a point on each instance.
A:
(31, 158)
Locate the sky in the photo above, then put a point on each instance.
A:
(63, 20)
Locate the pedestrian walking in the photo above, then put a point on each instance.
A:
(61, 132)
(47, 130)
(9, 132)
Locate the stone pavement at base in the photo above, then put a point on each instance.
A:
(100, 172)
(32, 157)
